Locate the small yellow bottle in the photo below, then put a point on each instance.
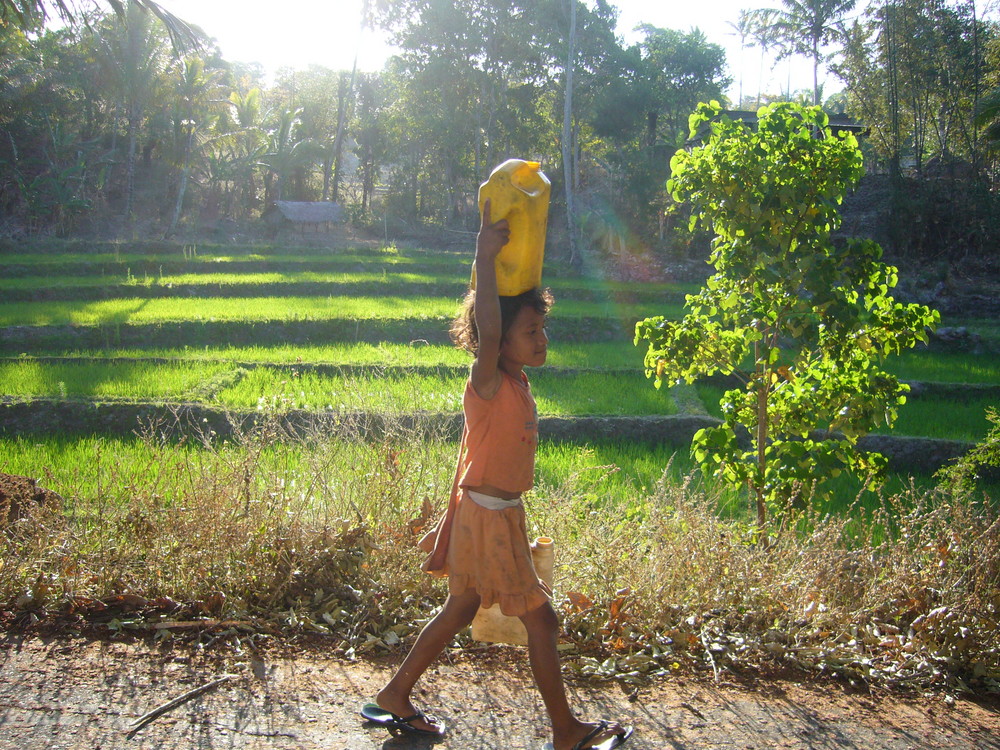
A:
(493, 626)
(518, 191)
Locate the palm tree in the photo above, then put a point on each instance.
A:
(808, 25)
(288, 155)
(199, 104)
(247, 143)
(134, 55)
(30, 14)
(988, 117)
(764, 35)
(744, 29)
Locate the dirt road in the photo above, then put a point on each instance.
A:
(74, 693)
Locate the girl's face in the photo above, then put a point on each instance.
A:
(526, 342)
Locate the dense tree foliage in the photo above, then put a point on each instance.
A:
(112, 121)
(916, 73)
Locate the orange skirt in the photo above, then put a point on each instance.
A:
(489, 551)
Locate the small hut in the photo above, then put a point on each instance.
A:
(302, 214)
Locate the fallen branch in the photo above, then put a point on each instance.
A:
(181, 624)
(711, 659)
(172, 704)
(693, 710)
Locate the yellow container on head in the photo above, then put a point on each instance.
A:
(518, 191)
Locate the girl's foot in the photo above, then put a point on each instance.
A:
(401, 706)
(602, 734)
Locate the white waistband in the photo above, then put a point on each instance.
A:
(491, 503)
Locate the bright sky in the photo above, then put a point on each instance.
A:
(297, 33)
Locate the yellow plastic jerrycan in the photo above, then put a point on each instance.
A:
(493, 626)
(518, 191)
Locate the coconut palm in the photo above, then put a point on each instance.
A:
(133, 53)
(742, 28)
(200, 101)
(288, 154)
(30, 14)
(988, 117)
(808, 25)
(764, 35)
(246, 144)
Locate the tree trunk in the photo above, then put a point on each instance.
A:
(338, 141)
(816, 72)
(182, 187)
(133, 128)
(567, 137)
(761, 448)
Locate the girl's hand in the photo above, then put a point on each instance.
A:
(492, 236)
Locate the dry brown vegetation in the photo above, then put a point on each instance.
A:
(279, 532)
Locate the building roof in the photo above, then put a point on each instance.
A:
(308, 212)
(837, 121)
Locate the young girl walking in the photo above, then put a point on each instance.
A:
(481, 543)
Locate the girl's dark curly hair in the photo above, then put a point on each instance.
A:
(463, 329)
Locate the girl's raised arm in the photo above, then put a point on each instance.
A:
(491, 239)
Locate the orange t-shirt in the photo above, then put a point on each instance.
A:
(500, 437)
(498, 448)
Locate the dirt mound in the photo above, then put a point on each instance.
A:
(20, 496)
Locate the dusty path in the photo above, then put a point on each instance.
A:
(66, 693)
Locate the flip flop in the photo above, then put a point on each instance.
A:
(609, 744)
(398, 724)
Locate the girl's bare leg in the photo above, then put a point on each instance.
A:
(543, 630)
(457, 613)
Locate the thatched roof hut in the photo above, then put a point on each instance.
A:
(303, 213)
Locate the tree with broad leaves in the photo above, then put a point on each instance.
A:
(812, 317)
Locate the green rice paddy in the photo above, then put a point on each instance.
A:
(579, 378)
(603, 355)
(224, 279)
(142, 381)
(943, 418)
(598, 475)
(384, 390)
(100, 466)
(139, 311)
(945, 367)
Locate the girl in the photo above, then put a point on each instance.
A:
(481, 543)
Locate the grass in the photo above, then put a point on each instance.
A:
(927, 416)
(95, 379)
(318, 535)
(393, 391)
(603, 355)
(945, 367)
(136, 311)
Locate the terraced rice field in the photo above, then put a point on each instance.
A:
(365, 329)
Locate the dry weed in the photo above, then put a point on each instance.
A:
(294, 526)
